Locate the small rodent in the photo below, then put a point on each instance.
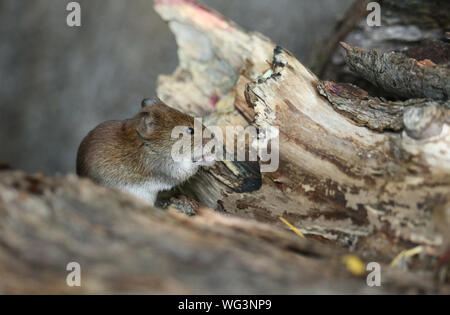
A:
(134, 155)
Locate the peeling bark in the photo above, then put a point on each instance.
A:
(400, 75)
(373, 112)
(125, 246)
(414, 27)
(338, 180)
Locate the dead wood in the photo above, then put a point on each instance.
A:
(338, 180)
(125, 246)
(400, 75)
(374, 112)
(414, 27)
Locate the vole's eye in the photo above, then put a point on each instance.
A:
(190, 131)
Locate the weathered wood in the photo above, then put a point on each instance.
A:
(400, 75)
(338, 181)
(414, 27)
(125, 246)
(374, 112)
(436, 51)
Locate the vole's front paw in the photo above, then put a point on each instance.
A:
(184, 205)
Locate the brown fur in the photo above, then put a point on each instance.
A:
(133, 151)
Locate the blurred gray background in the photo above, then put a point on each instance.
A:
(57, 82)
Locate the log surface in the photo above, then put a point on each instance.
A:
(349, 182)
(125, 246)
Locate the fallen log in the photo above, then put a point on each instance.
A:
(338, 180)
(373, 112)
(415, 28)
(402, 76)
(125, 246)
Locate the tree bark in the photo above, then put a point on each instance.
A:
(371, 184)
(125, 246)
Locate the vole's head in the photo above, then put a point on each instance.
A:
(162, 127)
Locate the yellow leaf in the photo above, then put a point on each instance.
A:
(354, 264)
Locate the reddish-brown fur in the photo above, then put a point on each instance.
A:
(136, 151)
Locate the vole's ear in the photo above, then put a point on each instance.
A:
(147, 124)
(150, 101)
